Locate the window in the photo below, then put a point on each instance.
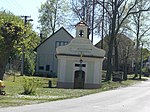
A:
(47, 67)
(81, 33)
(60, 43)
(41, 67)
(78, 65)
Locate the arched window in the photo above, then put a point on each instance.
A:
(81, 33)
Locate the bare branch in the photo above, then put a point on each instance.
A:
(123, 9)
(142, 10)
(144, 32)
(74, 8)
(106, 8)
(128, 13)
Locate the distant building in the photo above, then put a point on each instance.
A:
(126, 50)
(46, 62)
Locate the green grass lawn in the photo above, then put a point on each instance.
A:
(14, 90)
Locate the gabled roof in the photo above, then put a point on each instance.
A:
(119, 36)
(52, 35)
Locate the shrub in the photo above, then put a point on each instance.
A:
(30, 85)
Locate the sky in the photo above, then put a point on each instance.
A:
(23, 8)
(27, 8)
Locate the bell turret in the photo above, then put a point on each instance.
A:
(82, 30)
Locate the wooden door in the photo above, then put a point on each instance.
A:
(79, 78)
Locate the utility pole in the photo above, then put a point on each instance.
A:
(23, 46)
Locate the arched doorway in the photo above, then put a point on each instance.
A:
(79, 78)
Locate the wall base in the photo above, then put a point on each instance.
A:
(70, 85)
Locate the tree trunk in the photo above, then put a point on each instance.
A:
(136, 61)
(3, 63)
(103, 17)
(116, 55)
(2, 71)
(111, 42)
(92, 32)
(136, 70)
(4, 57)
(109, 58)
(125, 70)
(137, 47)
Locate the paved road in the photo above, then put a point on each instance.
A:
(130, 99)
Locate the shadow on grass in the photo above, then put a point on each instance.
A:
(49, 87)
(142, 79)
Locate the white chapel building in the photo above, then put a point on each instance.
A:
(79, 62)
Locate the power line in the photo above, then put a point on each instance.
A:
(14, 5)
(20, 6)
(10, 6)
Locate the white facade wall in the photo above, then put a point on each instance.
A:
(66, 70)
(46, 52)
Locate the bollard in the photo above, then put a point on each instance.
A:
(49, 83)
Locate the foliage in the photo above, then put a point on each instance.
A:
(145, 70)
(52, 15)
(11, 28)
(11, 31)
(139, 28)
(146, 53)
(30, 85)
(117, 12)
(32, 40)
(13, 35)
(29, 65)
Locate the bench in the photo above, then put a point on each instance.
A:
(117, 76)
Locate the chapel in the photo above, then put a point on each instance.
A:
(79, 62)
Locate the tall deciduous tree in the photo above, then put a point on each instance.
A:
(140, 27)
(30, 42)
(12, 37)
(52, 15)
(83, 10)
(118, 12)
(88, 11)
(10, 32)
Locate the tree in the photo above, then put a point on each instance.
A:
(53, 14)
(88, 11)
(10, 32)
(12, 38)
(126, 54)
(115, 14)
(118, 12)
(82, 10)
(140, 29)
(30, 40)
